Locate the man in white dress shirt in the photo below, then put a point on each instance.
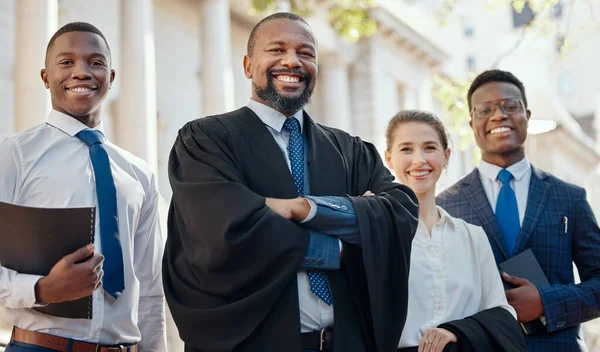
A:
(51, 166)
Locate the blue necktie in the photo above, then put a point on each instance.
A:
(319, 284)
(113, 281)
(507, 212)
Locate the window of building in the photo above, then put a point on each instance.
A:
(560, 43)
(468, 29)
(557, 10)
(524, 17)
(471, 63)
(565, 82)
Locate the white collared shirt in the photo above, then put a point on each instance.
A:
(47, 166)
(452, 275)
(314, 313)
(521, 172)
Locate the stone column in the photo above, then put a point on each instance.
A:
(335, 92)
(36, 22)
(136, 122)
(217, 73)
(425, 94)
(411, 98)
(597, 122)
(284, 6)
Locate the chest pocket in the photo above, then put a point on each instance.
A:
(553, 241)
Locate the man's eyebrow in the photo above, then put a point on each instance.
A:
(66, 53)
(282, 42)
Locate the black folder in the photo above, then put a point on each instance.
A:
(33, 240)
(526, 266)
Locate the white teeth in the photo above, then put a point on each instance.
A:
(81, 89)
(289, 79)
(419, 173)
(500, 130)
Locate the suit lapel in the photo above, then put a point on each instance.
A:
(268, 156)
(539, 190)
(327, 165)
(476, 196)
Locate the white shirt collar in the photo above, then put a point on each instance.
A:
(518, 170)
(70, 125)
(272, 117)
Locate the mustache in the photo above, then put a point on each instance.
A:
(302, 75)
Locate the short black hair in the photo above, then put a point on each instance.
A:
(76, 27)
(275, 16)
(495, 76)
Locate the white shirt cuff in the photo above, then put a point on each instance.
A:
(23, 291)
(312, 212)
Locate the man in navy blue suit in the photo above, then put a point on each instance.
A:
(521, 207)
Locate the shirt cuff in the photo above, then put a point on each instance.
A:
(23, 291)
(312, 212)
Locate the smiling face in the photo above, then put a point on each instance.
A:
(417, 156)
(78, 74)
(500, 137)
(283, 65)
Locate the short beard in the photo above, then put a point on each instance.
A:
(285, 105)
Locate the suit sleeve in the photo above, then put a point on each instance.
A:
(569, 305)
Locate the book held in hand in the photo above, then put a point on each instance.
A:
(526, 266)
(35, 239)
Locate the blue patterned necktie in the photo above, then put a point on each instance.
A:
(113, 280)
(319, 284)
(507, 212)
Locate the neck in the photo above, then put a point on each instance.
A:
(504, 160)
(89, 120)
(428, 212)
(284, 113)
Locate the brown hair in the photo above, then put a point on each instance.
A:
(415, 116)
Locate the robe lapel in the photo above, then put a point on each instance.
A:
(476, 196)
(268, 157)
(327, 165)
(539, 190)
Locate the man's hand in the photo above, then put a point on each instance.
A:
(435, 339)
(525, 298)
(70, 278)
(296, 209)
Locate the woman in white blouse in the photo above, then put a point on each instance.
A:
(453, 274)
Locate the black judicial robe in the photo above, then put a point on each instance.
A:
(493, 329)
(230, 263)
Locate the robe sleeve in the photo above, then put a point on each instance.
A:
(492, 329)
(227, 254)
(387, 223)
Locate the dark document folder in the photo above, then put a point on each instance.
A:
(33, 240)
(526, 266)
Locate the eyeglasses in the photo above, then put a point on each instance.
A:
(508, 106)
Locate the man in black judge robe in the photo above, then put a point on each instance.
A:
(251, 266)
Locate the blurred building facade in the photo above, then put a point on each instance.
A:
(178, 60)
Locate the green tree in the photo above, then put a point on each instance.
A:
(349, 18)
